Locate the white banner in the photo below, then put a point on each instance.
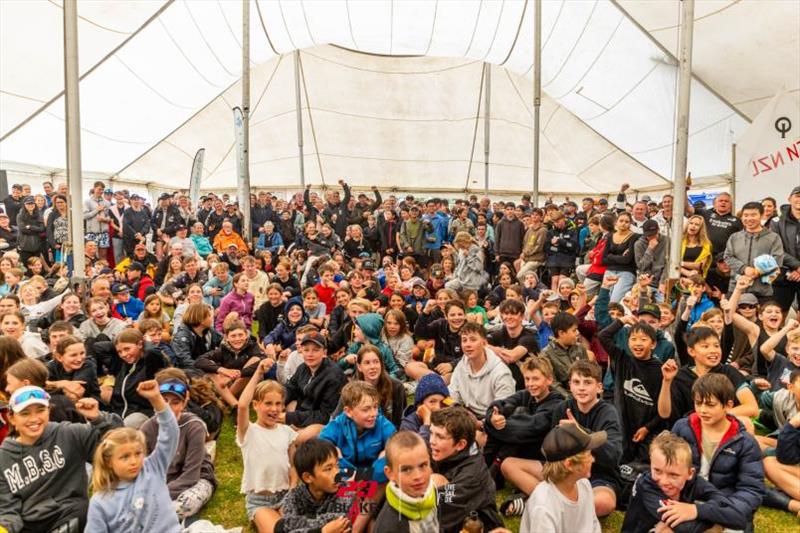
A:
(196, 177)
(238, 124)
(768, 153)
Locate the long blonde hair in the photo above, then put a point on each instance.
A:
(103, 477)
(702, 235)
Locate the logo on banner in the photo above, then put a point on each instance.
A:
(783, 125)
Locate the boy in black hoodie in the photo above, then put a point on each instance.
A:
(44, 486)
(462, 477)
(667, 494)
(638, 377)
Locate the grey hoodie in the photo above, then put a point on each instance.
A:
(743, 248)
(477, 390)
(40, 481)
(653, 262)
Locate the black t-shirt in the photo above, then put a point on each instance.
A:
(779, 371)
(529, 339)
(720, 228)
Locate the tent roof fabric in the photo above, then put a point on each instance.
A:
(391, 89)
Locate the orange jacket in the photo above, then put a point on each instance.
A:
(222, 241)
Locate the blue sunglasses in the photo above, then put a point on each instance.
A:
(176, 388)
(37, 394)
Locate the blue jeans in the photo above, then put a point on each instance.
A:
(626, 281)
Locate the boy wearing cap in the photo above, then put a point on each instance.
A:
(128, 307)
(312, 393)
(564, 501)
(651, 251)
(142, 285)
(44, 483)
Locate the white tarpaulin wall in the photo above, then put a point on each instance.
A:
(147, 107)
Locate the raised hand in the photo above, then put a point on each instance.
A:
(88, 408)
(569, 420)
(148, 389)
(669, 370)
(497, 419)
(743, 282)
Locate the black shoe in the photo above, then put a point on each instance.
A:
(513, 505)
(777, 499)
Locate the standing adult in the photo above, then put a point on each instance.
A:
(95, 215)
(135, 225)
(58, 227)
(508, 236)
(13, 203)
(166, 219)
(721, 223)
(787, 286)
(30, 227)
(116, 211)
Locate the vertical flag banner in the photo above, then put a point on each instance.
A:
(768, 153)
(238, 125)
(196, 176)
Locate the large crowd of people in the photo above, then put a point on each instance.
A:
(390, 363)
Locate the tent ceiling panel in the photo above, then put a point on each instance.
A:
(745, 50)
(613, 84)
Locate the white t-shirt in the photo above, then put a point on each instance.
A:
(549, 511)
(265, 453)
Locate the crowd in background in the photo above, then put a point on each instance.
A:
(498, 332)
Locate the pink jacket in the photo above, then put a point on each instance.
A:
(234, 303)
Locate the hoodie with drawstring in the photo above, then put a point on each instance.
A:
(476, 390)
(372, 325)
(286, 331)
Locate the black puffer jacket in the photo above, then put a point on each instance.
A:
(189, 346)
(30, 227)
(448, 342)
(788, 227)
(317, 394)
(125, 400)
(226, 357)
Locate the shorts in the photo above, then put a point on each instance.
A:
(253, 502)
(613, 485)
(560, 271)
(101, 238)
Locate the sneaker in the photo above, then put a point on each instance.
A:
(513, 505)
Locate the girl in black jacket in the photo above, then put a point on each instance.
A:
(445, 334)
(30, 227)
(195, 336)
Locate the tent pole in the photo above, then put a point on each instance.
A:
(73, 124)
(298, 112)
(681, 135)
(487, 125)
(537, 93)
(244, 202)
(733, 174)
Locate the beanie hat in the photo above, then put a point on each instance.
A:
(428, 385)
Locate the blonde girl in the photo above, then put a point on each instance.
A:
(130, 488)
(154, 310)
(174, 270)
(695, 248)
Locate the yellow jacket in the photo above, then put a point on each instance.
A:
(704, 258)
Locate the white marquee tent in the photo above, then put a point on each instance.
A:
(391, 90)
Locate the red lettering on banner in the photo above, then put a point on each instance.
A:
(774, 160)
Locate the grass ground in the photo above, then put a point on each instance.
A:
(227, 505)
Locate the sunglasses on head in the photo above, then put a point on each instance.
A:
(28, 395)
(175, 388)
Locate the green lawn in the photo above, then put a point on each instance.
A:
(227, 505)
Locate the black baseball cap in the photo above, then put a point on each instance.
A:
(315, 337)
(649, 309)
(165, 196)
(136, 265)
(796, 190)
(569, 439)
(649, 228)
(119, 288)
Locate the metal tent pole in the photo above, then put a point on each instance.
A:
(299, 113)
(73, 125)
(487, 124)
(681, 135)
(537, 93)
(244, 202)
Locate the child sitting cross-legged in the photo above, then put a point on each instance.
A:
(564, 501)
(130, 489)
(784, 469)
(315, 504)
(564, 348)
(72, 372)
(410, 495)
(722, 450)
(267, 449)
(190, 476)
(671, 495)
(431, 395)
(461, 477)
(360, 433)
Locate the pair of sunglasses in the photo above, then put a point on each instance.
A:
(175, 388)
(36, 394)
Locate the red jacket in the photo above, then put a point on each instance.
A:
(326, 295)
(596, 256)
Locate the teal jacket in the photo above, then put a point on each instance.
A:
(360, 450)
(201, 244)
(372, 325)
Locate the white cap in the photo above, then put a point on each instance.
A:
(28, 395)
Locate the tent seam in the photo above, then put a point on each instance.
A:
(519, 29)
(496, 29)
(574, 45)
(264, 28)
(205, 41)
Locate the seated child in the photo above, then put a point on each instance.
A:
(315, 503)
(638, 377)
(267, 477)
(57, 331)
(326, 286)
(234, 362)
(71, 372)
(670, 494)
(313, 392)
(592, 414)
(780, 366)
(410, 495)
(543, 318)
(131, 494)
(288, 364)
(480, 376)
(367, 330)
(564, 348)
(564, 501)
(777, 407)
(517, 425)
(26, 372)
(430, 396)
(784, 469)
(461, 477)
(190, 476)
(153, 333)
(722, 450)
(361, 431)
(313, 308)
(58, 452)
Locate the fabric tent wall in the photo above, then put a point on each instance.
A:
(177, 60)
